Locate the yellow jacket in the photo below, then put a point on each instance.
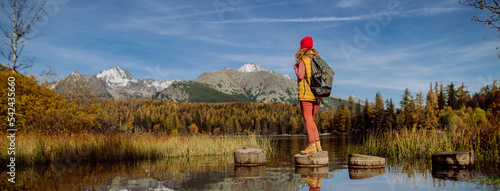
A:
(305, 93)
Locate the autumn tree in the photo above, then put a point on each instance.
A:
(418, 114)
(431, 110)
(341, 116)
(22, 17)
(193, 129)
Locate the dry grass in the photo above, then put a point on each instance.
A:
(34, 149)
(415, 144)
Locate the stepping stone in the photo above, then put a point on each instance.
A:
(365, 161)
(249, 156)
(316, 159)
(453, 159)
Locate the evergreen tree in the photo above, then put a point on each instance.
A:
(441, 97)
(390, 115)
(407, 105)
(358, 118)
(379, 112)
(351, 104)
(419, 115)
(431, 110)
(367, 122)
(324, 122)
(462, 96)
(347, 116)
(293, 123)
(407, 101)
(340, 118)
(452, 96)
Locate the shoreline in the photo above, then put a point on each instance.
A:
(35, 150)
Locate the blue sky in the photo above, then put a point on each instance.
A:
(372, 45)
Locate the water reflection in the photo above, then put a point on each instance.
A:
(219, 173)
(454, 174)
(365, 173)
(313, 176)
(250, 171)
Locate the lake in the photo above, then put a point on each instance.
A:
(280, 173)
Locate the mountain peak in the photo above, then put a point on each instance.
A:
(250, 67)
(355, 99)
(75, 74)
(116, 77)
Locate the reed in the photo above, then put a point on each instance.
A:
(422, 143)
(43, 149)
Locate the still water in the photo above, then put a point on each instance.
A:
(219, 173)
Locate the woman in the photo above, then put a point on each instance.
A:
(308, 102)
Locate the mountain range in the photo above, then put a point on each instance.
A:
(249, 83)
(113, 83)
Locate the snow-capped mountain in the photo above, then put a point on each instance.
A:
(116, 83)
(355, 99)
(116, 77)
(250, 67)
(249, 83)
(159, 84)
(253, 82)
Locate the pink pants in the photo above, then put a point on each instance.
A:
(308, 111)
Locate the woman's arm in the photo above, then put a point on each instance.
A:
(300, 69)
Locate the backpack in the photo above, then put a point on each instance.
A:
(321, 77)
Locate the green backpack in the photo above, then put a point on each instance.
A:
(321, 77)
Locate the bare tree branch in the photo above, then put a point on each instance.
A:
(23, 15)
(493, 19)
(491, 5)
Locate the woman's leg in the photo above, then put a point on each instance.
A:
(308, 110)
(316, 134)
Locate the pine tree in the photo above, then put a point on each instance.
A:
(379, 112)
(358, 118)
(347, 114)
(431, 110)
(441, 97)
(419, 114)
(407, 105)
(452, 96)
(293, 124)
(390, 115)
(341, 117)
(407, 102)
(462, 96)
(367, 120)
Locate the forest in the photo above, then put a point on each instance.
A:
(41, 110)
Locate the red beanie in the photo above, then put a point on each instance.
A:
(306, 43)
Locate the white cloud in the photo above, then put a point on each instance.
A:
(347, 3)
(429, 11)
(295, 20)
